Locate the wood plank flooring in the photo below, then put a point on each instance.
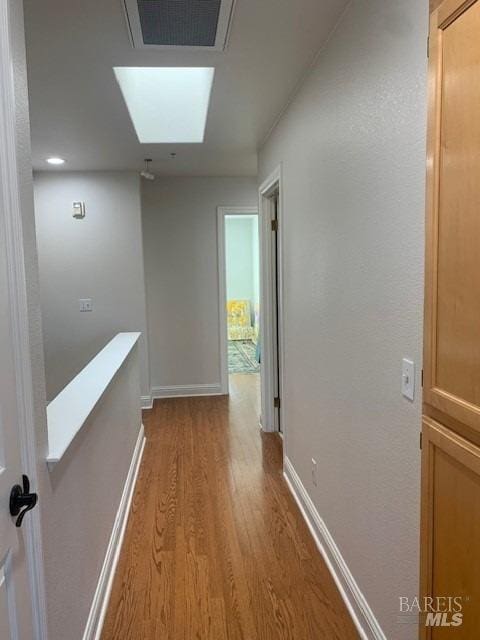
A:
(215, 546)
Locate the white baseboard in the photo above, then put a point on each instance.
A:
(147, 402)
(361, 613)
(180, 391)
(93, 628)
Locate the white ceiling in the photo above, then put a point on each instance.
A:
(78, 113)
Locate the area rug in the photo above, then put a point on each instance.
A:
(241, 357)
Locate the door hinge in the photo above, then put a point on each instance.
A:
(274, 225)
(428, 46)
(421, 440)
(276, 403)
(422, 378)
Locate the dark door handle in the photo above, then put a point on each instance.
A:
(21, 500)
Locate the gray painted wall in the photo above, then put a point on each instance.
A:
(101, 453)
(85, 489)
(352, 147)
(98, 257)
(180, 249)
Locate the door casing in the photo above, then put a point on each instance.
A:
(271, 186)
(222, 212)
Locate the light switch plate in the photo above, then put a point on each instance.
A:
(86, 304)
(78, 210)
(408, 378)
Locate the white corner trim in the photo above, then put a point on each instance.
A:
(147, 402)
(181, 391)
(358, 607)
(96, 617)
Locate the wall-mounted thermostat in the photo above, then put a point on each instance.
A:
(79, 209)
(85, 304)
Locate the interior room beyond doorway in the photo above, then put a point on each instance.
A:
(243, 293)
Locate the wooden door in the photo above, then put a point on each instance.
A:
(450, 554)
(450, 530)
(452, 318)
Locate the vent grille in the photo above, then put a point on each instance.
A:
(179, 23)
(166, 24)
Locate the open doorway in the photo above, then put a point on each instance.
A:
(239, 278)
(242, 277)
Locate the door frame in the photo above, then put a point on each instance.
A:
(222, 212)
(17, 283)
(267, 189)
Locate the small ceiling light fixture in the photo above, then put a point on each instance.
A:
(146, 173)
(55, 160)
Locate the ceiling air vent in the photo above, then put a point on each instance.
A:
(167, 24)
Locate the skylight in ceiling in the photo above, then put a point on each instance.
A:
(167, 104)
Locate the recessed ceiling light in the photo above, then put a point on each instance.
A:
(55, 160)
(167, 104)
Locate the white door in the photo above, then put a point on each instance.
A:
(15, 596)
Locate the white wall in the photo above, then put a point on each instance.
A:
(352, 148)
(98, 257)
(180, 247)
(85, 490)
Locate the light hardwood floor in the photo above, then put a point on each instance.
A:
(215, 546)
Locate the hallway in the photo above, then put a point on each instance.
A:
(215, 546)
